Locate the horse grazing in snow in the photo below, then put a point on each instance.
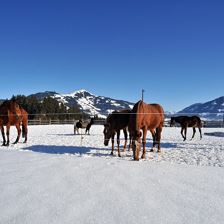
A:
(145, 117)
(116, 122)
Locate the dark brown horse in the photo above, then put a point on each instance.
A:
(185, 122)
(116, 122)
(145, 117)
(12, 114)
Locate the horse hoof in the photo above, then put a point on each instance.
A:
(119, 155)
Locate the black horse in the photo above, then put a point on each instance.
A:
(114, 123)
(83, 124)
(185, 122)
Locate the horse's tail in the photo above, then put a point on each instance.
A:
(200, 124)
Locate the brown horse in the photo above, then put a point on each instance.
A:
(12, 114)
(185, 122)
(115, 122)
(145, 117)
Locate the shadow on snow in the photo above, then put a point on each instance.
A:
(55, 149)
(216, 134)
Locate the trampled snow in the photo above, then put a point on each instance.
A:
(59, 177)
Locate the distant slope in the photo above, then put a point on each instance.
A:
(101, 105)
(87, 102)
(211, 110)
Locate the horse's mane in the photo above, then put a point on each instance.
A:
(4, 103)
(134, 111)
(117, 116)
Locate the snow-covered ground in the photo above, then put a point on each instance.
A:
(60, 178)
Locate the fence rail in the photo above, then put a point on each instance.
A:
(51, 122)
(207, 124)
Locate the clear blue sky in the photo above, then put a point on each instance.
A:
(172, 49)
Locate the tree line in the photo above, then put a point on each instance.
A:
(48, 108)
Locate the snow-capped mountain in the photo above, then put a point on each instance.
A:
(87, 102)
(100, 105)
(212, 110)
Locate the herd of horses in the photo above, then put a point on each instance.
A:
(137, 122)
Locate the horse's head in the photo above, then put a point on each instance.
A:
(172, 121)
(10, 106)
(107, 133)
(136, 144)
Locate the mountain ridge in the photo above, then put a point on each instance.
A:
(211, 110)
(87, 102)
(101, 105)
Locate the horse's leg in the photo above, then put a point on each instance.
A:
(24, 132)
(19, 133)
(194, 130)
(118, 143)
(3, 135)
(185, 133)
(200, 132)
(7, 134)
(130, 142)
(126, 139)
(153, 139)
(158, 136)
(112, 141)
(144, 142)
(182, 129)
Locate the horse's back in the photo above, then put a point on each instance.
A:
(143, 115)
(188, 121)
(151, 115)
(119, 119)
(196, 121)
